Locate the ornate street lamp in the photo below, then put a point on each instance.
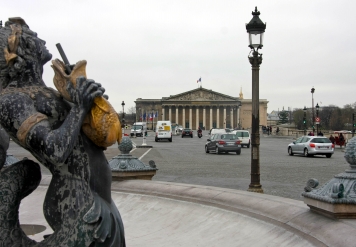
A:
(255, 29)
(123, 113)
(305, 120)
(317, 118)
(312, 92)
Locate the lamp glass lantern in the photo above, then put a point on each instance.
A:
(256, 29)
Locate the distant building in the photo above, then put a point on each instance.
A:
(201, 107)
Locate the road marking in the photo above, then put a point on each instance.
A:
(143, 155)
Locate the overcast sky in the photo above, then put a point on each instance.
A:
(157, 48)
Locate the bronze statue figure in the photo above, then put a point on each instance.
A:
(78, 204)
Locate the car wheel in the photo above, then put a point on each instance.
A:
(238, 152)
(306, 153)
(328, 155)
(206, 149)
(217, 150)
(290, 152)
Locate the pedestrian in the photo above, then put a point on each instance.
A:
(332, 139)
(341, 140)
(320, 133)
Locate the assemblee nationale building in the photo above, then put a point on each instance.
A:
(203, 107)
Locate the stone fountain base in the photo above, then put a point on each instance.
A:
(336, 198)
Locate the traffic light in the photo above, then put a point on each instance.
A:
(354, 124)
(304, 121)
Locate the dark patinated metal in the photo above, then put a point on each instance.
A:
(78, 205)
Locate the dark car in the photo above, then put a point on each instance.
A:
(223, 142)
(187, 132)
(311, 145)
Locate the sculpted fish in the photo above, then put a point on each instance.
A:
(102, 124)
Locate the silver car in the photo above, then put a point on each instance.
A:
(311, 145)
(223, 142)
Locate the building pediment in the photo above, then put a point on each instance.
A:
(200, 94)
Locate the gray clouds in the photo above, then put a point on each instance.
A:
(157, 48)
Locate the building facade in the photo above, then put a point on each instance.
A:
(201, 107)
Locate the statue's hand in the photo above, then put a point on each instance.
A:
(84, 93)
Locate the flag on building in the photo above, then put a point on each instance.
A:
(199, 80)
(144, 116)
(151, 116)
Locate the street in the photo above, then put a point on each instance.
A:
(184, 161)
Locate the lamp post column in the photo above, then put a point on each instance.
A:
(123, 118)
(305, 120)
(255, 185)
(312, 92)
(317, 118)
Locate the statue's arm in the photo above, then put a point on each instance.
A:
(34, 131)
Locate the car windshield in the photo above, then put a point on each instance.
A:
(320, 140)
(137, 127)
(242, 134)
(228, 137)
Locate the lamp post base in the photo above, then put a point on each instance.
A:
(256, 189)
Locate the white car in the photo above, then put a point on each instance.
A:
(244, 137)
(311, 145)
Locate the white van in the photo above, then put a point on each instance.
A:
(244, 137)
(138, 128)
(163, 130)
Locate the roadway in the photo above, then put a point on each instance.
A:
(184, 161)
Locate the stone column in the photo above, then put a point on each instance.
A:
(238, 117)
(170, 113)
(224, 117)
(183, 116)
(177, 107)
(232, 117)
(211, 117)
(163, 117)
(217, 117)
(190, 117)
(204, 117)
(197, 117)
